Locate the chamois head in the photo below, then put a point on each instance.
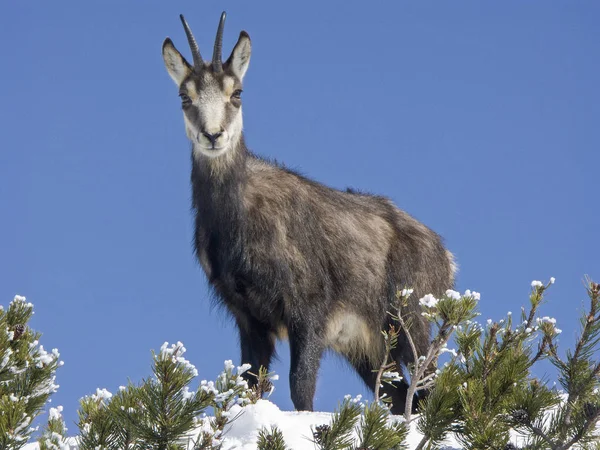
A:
(210, 91)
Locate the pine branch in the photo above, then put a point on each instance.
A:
(53, 437)
(440, 408)
(592, 421)
(374, 432)
(390, 339)
(338, 434)
(586, 342)
(542, 350)
(574, 421)
(27, 374)
(433, 352)
(425, 386)
(263, 385)
(270, 439)
(539, 432)
(411, 342)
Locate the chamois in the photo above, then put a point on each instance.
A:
(290, 257)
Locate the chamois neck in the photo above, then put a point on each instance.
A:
(219, 181)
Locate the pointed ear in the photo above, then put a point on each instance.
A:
(176, 64)
(240, 56)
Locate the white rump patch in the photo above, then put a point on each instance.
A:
(348, 334)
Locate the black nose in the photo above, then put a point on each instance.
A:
(212, 137)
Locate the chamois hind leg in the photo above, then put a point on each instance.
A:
(306, 350)
(257, 345)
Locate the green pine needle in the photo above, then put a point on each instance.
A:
(271, 439)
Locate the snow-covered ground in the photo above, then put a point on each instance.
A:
(295, 426)
(242, 433)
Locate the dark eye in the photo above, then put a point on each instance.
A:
(237, 94)
(185, 99)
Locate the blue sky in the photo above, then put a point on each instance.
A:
(481, 119)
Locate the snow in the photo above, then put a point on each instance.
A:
(243, 369)
(429, 301)
(453, 294)
(208, 386)
(102, 394)
(295, 426)
(71, 444)
(391, 376)
(242, 432)
(449, 350)
(21, 299)
(406, 292)
(476, 295)
(55, 413)
(175, 352)
(45, 358)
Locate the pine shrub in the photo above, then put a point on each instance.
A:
(27, 374)
(483, 394)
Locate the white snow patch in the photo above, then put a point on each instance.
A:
(453, 294)
(429, 301)
(55, 413)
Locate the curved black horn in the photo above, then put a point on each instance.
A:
(216, 60)
(198, 62)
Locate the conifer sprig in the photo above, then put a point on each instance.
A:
(54, 436)
(230, 389)
(271, 439)
(162, 412)
(489, 372)
(378, 431)
(264, 385)
(361, 426)
(446, 314)
(575, 414)
(338, 434)
(497, 373)
(166, 409)
(387, 372)
(27, 374)
(98, 428)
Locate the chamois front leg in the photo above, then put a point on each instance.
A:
(306, 348)
(257, 345)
